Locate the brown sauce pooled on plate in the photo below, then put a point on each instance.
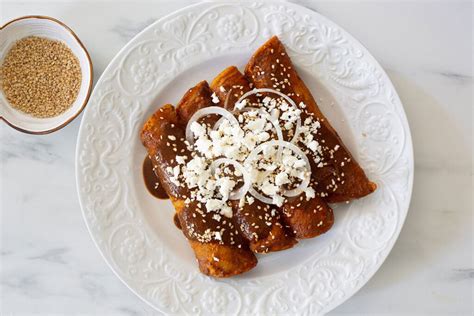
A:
(151, 181)
(154, 186)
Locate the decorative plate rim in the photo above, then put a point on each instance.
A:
(407, 148)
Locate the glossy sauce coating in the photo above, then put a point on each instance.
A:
(151, 180)
(176, 221)
(341, 179)
(214, 259)
(195, 221)
(154, 186)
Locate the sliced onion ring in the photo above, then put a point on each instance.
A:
(260, 196)
(281, 144)
(219, 122)
(284, 96)
(239, 193)
(204, 112)
(227, 97)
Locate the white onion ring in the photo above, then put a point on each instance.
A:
(260, 196)
(294, 139)
(284, 96)
(227, 98)
(219, 122)
(240, 193)
(204, 112)
(281, 144)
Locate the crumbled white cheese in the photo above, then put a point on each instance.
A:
(266, 101)
(300, 163)
(213, 205)
(288, 159)
(275, 114)
(181, 160)
(250, 200)
(281, 178)
(278, 200)
(256, 125)
(198, 129)
(313, 145)
(215, 98)
(176, 171)
(310, 193)
(203, 144)
(271, 170)
(269, 188)
(226, 211)
(262, 137)
(240, 105)
(210, 184)
(225, 185)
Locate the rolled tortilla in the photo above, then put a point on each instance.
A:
(341, 179)
(305, 219)
(258, 223)
(222, 255)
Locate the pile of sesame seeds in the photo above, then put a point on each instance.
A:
(40, 77)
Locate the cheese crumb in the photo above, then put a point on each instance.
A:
(215, 98)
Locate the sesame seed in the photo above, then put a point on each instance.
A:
(40, 77)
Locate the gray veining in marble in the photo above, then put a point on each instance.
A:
(457, 76)
(49, 265)
(127, 28)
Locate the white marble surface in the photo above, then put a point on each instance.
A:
(49, 264)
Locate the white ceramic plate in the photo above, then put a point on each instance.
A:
(135, 232)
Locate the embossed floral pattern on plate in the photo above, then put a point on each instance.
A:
(350, 254)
